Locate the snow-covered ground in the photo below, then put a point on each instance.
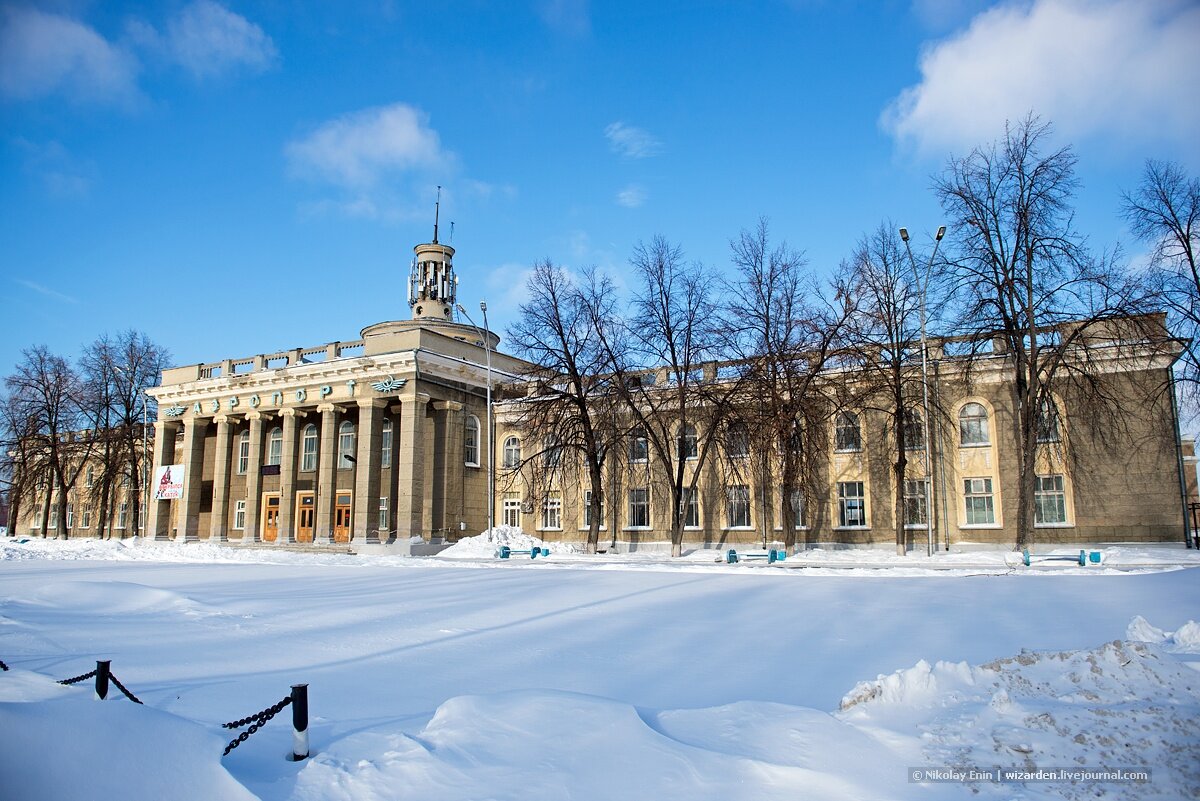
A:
(594, 677)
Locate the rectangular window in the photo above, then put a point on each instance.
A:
(977, 495)
(85, 519)
(243, 462)
(587, 510)
(1049, 501)
(852, 504)
(239, 515)
(385, 446)
(738, 506)
(383, 515)
(639, 508)
(54, 516)
(308, 450)
(691, 508)
(122, 514)
(70, 515)
(798, 506)
(89, 481)
(471, 442)
(552, 512)
(916, 503)
(639, 447)
(511, 510)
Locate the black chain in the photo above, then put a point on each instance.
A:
(121, 687)
(3, 666)
(259, 719)
(78, 679)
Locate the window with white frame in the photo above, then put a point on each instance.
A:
(552, 452)
(587, 510)
(979, 506)
(916, 503)
(847, 435)
(973, 425)
(471, 441)
(90, 480)
(852, 504)
(639, 446)
(385, 445)
(737, 440)
(309, 442)
(346, 445)
(70, 515)
(275, 446)
(552, 512)
(383, 515)
(639, 508)
(511, 510)
(239, 514)
(1047, 421)
(688, 442)
(691, 508)
(1049, 501)
(737, 506)
(512, 453)
(243, 460)
(914, 430)
(122, 514)
(54, 516)
(85, 519)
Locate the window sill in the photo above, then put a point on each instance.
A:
(739, 528)
(853, 450)
(638, 528)
(1054, 525)
(589, 528)
(988, 526)
(916, 526)
(851, 528)
(471, 464)
(975, 445)
(547, 529)
(797, 528)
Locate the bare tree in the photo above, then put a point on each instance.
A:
(46, 394)
(786, 329)
(573, 412)
(885, 335)
(1029, 286)
(1164, 211)
(137, 365)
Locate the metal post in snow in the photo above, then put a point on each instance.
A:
(299, 722)
(103, 668)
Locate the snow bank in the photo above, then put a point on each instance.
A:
(486, 544)
(60, 743)
(1184, 640)
(1124, 704)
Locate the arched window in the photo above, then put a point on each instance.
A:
(688, 442)
(308, 448)
(346, 445)
(471, 441)
(243, 460)
(1047, 421)
(914, 430)
(385, 445)
(973, 424)
(275, 446)
(737, 439)
(512, 452)
(847, 436)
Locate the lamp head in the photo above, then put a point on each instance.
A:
(461, 310)
(941, 232)
(483, 305)
(904, 234)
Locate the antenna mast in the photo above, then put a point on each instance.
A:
(437, 207)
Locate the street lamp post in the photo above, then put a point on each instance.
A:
(923, 286)
(487, 349)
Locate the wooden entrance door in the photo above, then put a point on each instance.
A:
(271, 518)
(341, 518)
(306, 514)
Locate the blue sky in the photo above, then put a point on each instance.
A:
(237, 178)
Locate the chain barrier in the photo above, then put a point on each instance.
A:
(259, 720)
(121, 687)
(78, 679)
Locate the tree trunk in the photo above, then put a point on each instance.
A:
(900, 467)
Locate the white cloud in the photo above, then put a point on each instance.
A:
(60, 174)
(631, 196)
(208, 39)
(569, 17)
(631, 142)
(358, 149)
(43, 54)
(1123, 68)
(53, 294)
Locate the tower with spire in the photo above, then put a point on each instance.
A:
(432, 284)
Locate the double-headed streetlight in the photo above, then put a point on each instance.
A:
(923, 287)
(487, 349)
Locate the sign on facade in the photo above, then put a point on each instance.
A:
(168, 482)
